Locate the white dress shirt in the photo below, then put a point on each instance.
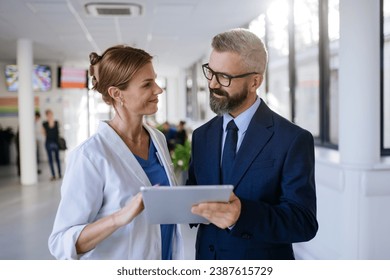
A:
(242, 122)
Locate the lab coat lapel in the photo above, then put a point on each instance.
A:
(256, 137)
(126, 156)
(163, 155)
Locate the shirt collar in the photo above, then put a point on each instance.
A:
(242, 120)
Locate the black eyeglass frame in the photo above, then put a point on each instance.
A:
(229, 77)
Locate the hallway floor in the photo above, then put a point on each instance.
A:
(27, 214)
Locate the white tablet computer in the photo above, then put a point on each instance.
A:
(172, 205)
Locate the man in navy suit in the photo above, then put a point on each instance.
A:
(272, 170)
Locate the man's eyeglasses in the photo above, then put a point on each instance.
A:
(222, 78)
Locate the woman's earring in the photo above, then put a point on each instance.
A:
(121, 103)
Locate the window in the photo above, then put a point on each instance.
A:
(257, 26)
(306, 27)
(333, 24)
(302, 76)
(385, 84)
(278, 93)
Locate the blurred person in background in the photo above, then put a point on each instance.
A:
(51, 131)
(170, 135)
(38, 138)
(181, 134)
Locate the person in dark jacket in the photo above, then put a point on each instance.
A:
(270, 165)
(51, 132)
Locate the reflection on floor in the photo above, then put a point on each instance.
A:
(27, 214)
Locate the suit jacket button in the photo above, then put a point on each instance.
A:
(211, 248)
(246, 236)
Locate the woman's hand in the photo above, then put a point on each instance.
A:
(99, 230)
(131, 210)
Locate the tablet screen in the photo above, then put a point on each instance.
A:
(172, 205)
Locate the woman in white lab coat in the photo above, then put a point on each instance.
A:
(100, 215)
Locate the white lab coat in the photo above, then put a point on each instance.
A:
(101, 176)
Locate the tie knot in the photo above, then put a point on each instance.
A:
(232, 126)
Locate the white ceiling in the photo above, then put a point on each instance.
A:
(176, 32)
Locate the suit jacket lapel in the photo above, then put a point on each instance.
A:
(213, 147)
(256, 137)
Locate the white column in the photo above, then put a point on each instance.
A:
(359, 107)
(172, 100)
(27, 145)
(176, 98)
(182, 96)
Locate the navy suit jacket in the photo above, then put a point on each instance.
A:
(274, 179)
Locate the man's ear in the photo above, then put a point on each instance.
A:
(257, 80)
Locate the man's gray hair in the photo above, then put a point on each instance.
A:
(246, 44)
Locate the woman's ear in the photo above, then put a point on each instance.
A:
(115, 93)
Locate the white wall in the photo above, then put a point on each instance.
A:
(353, 183)
(353, 207)
(176, 98)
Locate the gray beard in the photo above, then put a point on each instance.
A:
(227, 103)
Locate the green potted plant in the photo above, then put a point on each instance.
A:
(181, 160)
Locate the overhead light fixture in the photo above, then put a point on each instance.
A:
(113, 9)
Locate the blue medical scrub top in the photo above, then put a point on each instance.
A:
(156, 174)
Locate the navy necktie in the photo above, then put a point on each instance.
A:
(229, 151)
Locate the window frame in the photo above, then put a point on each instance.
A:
(384, 151)
(323, 139)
